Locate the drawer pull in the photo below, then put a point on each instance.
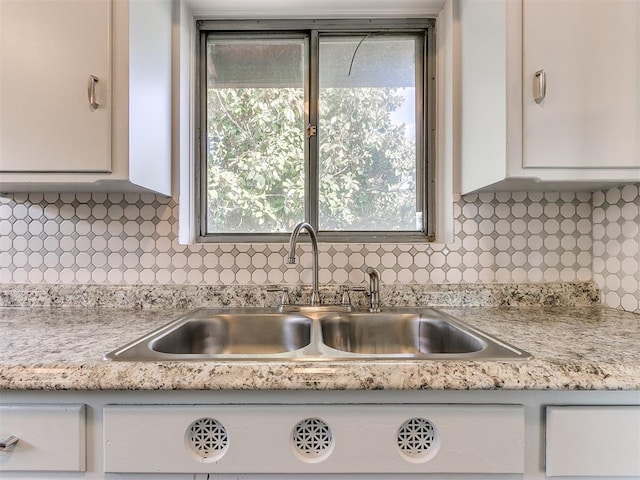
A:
(540, 86)
(91, 91)
(8, 442)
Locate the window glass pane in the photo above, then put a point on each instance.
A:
(367, 133)
(255, 135)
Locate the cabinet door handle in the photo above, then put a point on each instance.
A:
(91, 91)
(540, 86)
(8, 442)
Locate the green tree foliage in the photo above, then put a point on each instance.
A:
(255, 161)
(367, 163)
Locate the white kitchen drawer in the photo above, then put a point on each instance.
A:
(593, 441)
(270, 439)
(50, 437)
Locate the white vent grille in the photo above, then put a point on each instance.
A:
(208, 438)
(417, 439)
(312, 439)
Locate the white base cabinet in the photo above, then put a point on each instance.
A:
(49, 437)
(339, 435)
(314, 439)
(593, 441)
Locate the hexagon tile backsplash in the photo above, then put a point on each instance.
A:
(132, 239)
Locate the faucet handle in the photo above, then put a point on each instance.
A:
(284, 298)
(345, 299)
(374, 289)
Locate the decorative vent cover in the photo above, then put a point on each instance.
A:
(208, 438)
(417, 439)
(312, 439)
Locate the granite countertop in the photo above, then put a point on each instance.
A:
(586, 348)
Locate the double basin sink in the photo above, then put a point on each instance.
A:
(316, 334)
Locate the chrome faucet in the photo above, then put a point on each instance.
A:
(291, 257)
(374, 290)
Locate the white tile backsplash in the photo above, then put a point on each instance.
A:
(132, 239)
(616, 246)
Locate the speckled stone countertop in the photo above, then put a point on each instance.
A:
(576, 347)
(556, 294)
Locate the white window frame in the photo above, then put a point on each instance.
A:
(446, 115)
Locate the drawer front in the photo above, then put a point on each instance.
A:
(314, 439)
(50, 437)
(593, 441)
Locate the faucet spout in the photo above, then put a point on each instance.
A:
(374, 289)
(291, 257)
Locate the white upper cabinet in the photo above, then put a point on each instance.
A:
(53, 57)
(57, 58)
(589, 52)
(550, 94)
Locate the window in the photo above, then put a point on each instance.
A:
(324, 121)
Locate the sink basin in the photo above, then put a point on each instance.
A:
(236, 334)
(316, 334)
(218, 334)
(396, 333)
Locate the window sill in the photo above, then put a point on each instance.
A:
(324, 237)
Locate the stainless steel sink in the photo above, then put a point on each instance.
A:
(396, 333)
(241, 333)
(208, 333)
(316, 334)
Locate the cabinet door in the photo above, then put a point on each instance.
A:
(593, 441)
(589, 51)
(49, 438)
(48, 51)
(314, 439)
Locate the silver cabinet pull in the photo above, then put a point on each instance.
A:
(540, 86)
(91, 91)
(8, 442)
